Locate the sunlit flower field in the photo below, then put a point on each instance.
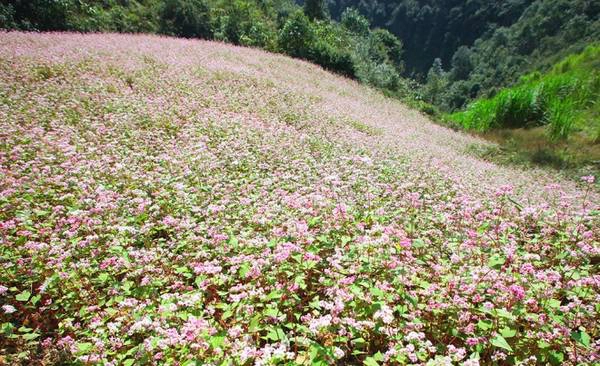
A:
(181, 202)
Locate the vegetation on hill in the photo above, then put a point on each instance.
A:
(348, 47)
(434, 28)
(548, 118)
(483, 45)
(459, 50)
(565, 99)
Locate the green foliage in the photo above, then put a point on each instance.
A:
(355, 22)
(560, 99)
(434, 28)
(486, 44)
(437, 81)
(186, 18)
(244, 23)
(36, 14)
(297, 36)
(333, 59)
(315, 9)
(462, 64)
(7, 17)
(391, 47)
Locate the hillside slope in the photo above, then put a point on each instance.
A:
(179, 200)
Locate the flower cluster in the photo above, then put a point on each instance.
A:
(167, 201)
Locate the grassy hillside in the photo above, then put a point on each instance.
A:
(554, 117)
(565, 99)
(172, 201)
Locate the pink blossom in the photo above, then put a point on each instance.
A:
(588, 179)
(517, 291)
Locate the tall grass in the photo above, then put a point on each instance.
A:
(562, 99)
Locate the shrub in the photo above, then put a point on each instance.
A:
(391, 46)
(297, 36)
(355, 22)
(333, 59)
(379, 75)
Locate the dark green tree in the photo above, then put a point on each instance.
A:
(39, 14)
(355, 22)
(392, 47)
(315, 9)
(297, 36)
(185, 18)
(462, 64)
(437, 81)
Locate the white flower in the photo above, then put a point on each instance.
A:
(385, 314)
(338, 353)
(8, 309)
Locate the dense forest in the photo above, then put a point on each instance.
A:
(481, 45)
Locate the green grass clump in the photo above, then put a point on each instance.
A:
(562, 99)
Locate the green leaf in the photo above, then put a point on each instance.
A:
(226, 314)
(370, 361)
(30, 336)
(484, 324)
(299, 280)
(581, 337)
(543, 344)
(553, 303)
(103, 277)
(182, 269)
(376, 291)
(556, 358)
(275, 294)
(359, 341)
(503, 313)
(254, 324)
(496, 261)
(276, 334)
(500, 342)
(7, 328)
(217, 341)
(36, 299)
(508, 332)
(271, 312)
(244, 269)
(128, 362)
(23, 296)
(233, 241)
(84, 347)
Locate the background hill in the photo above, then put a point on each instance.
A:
(484, 45)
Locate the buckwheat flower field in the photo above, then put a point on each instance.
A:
(181, 202)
